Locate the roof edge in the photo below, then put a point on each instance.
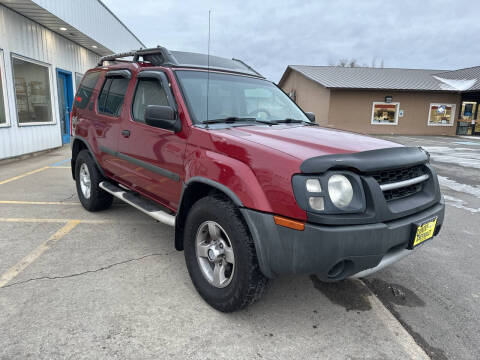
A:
(121, 22)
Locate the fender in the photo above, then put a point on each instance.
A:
(72, 161)
(235, 178)
(215, 185)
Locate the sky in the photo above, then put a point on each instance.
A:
(269, 35)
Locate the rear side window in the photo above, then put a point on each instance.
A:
(85, 90)
(149, 92)
(112, 95)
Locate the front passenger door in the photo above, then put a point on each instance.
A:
(153, 156)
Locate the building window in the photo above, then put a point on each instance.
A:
(441, 114)
(385, 113)
(4, 118)
(32, 92)
(468, 110)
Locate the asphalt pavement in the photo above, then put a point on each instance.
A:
(435, 294)
(110, 285)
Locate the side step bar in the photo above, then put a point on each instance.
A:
(144, 205)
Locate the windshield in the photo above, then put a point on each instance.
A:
(236, 97)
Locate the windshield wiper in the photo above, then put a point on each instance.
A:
(295, 121)
(234, 119)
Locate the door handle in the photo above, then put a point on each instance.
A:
(126, 133)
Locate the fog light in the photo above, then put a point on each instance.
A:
(313, 186)
(316, 203)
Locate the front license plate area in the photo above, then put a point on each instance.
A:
(423, 232)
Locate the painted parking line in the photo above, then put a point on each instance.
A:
(59, 163)
(35, 254)
(80, 221)
(23, 175)
(15, 202)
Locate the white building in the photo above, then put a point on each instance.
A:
(45, 47)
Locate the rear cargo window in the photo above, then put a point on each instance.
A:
(112, 95)
(85, 90)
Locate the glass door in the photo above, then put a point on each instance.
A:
(65, 100)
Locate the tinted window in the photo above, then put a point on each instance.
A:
(85, 90)
(111, 97)
(78, 80)
(149, 92)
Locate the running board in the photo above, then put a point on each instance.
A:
(144, 205)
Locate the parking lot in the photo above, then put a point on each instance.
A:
(79, 285)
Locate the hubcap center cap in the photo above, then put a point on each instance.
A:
(214, 253)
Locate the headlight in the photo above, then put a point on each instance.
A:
(313, 186)
(333, 192)
(340, 190)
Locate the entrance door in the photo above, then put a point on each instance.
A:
(65, 99)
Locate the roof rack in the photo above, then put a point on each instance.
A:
(161, 56)
(157, 56)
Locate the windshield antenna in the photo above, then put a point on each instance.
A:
(208, 62)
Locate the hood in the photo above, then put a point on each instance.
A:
(304, 142)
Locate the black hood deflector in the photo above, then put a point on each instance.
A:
(367, 161)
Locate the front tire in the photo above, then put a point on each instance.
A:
(220, 255)
(88, 178)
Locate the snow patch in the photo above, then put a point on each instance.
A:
(465, 157)
(459, 204)
(455, 84)
(464, 188)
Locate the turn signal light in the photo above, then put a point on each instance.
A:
(289, 223)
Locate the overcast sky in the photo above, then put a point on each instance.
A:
(271, 34)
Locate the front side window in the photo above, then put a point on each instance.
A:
(3, 109)
(149, 92)
(32, 92)
(385, 113)
(235, 96)
(441, 114)
(112, 95)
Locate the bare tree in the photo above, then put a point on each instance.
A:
(354, 63)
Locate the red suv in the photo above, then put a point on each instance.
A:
(253, 186)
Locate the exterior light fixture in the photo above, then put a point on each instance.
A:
(62, 28)
(94, 46)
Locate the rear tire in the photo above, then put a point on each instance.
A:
(215, 234)
(88, 178)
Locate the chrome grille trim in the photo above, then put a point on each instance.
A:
(405, 183)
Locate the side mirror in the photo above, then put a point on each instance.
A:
(162, 117)
(310, 116)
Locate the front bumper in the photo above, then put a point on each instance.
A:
(332, 252)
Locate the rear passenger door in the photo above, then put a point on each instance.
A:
(109, 109)
(153, 156)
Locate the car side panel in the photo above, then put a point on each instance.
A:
(235, 175)
(152, 159)
(100, 131)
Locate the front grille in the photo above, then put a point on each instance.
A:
(400, 193)
(397, 175)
